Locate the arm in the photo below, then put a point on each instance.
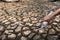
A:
(48, 17)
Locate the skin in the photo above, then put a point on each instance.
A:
(48, 17)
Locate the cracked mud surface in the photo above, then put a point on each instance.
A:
(20, 21)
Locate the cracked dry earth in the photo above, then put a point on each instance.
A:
(20, 20)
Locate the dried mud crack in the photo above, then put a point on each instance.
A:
(21, 21)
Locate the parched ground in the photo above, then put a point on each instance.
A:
(20, 20)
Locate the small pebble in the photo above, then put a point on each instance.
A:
(23, 38)
(57, 19)
(29, 24)
(54, 23)
(1, 28)
(26, 20)
(12, 36)
(18, 29)
(41, 30)
(52, 31)
(25, 28)
(7, 32)
(27, 32)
